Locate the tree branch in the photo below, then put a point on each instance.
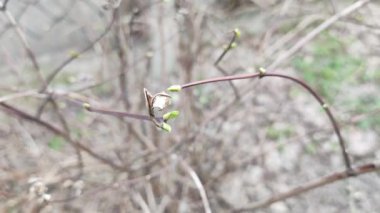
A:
(329, 179)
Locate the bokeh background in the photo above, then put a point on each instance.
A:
(244, 147)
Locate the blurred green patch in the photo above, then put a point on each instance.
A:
(65, 78)
(372, 76)
(277, 133)
(365, 105)
(311, 148)
(56, 143)
(104, 90)
(81, 116)
(328, 66)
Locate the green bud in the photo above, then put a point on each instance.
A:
(74, 54)
(233, 45)
(237, 32)
(174, 88)
(166, 127)
(262, 71)
(170, 115)
(86, 106)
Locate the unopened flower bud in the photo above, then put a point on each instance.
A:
(174, 88)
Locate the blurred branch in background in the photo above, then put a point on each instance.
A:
(329, 179)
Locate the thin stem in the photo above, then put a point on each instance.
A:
(224, 72)
(122, 114)
(198, 184)
(314, 33)
(329, 114)
(21, 114)
(55, 72)
(29, 52)
(219, 79)
(228, 48)
(304, 85)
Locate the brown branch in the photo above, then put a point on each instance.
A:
(120, 113)
(19, 113)
(54, 73)
(329, 179)
(262, 74)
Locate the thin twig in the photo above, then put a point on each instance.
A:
(329, 179)
(303, 84)
(26, 46)
(66, 127)
(329, 114)
(198, 184)
(54, 73)
(223, 71)
(19, 113)
(18, 95)
(326, 24)
(121, 114)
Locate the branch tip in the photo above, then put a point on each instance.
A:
(86, 106)
(174, 88)
(237, 32)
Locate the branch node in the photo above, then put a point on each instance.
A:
(86, 106)
(262, 72)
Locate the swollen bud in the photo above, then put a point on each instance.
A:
(74, 54)
(174, 88)
(262, 72)
(237, 32)
(86, 106)
(233, 45)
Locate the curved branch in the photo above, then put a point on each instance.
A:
(299, 82)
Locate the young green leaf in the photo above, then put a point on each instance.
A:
(166, 127)
(170, 115)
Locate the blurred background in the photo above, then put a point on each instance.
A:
(241, 142)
